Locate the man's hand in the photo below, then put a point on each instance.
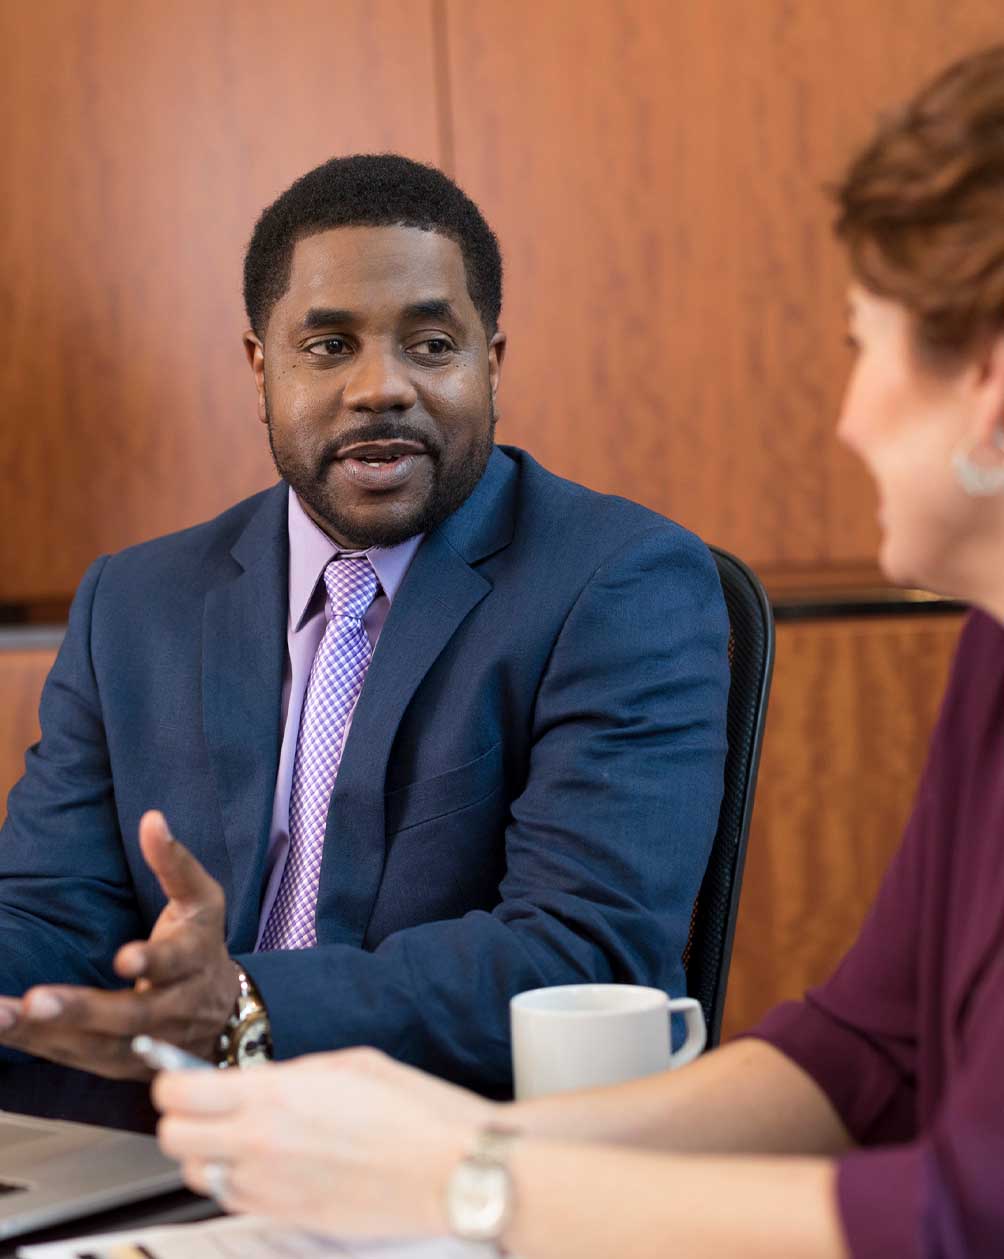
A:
(185, 982)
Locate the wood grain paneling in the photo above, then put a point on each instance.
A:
(851, 712)
(21, 676)
(141, 141)
(654, 169)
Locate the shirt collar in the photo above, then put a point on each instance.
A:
(311, 550)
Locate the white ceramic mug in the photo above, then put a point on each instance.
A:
(585, 1035)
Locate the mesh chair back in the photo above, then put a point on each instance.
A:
(708, 953)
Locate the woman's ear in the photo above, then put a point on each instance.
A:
(978, 459)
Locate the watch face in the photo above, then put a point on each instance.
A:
(253, 1042)
(478, 1199)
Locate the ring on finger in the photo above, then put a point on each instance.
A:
(217, 1178)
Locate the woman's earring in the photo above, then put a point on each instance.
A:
(979, 466)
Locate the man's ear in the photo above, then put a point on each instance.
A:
(496, 353)
(255, 351)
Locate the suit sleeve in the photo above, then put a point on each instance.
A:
(605, 848)
(66, 897)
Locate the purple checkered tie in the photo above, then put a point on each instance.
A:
(336, 678)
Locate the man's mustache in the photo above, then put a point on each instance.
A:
(380, 430)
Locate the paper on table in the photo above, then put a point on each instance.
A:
(242, 1237)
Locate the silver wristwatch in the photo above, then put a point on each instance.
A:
(246, 1039)
(479, 1193)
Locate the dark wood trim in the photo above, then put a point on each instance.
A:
(50, 611)
(815, 605)
(809, 594)
(849, 590)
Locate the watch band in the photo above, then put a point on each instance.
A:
(492, 1145)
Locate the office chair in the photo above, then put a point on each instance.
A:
(708, 953)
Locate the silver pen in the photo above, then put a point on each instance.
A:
(162, 1056)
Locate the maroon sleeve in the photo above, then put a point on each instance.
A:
(857, 1034)
(941, 1196)
(919, 996)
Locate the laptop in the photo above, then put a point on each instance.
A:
(51, 1171)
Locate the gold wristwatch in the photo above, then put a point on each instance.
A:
(246, 1039)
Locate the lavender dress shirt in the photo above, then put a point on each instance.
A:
(310, 550)
(907, 1036)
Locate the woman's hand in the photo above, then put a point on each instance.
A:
(349, 1142)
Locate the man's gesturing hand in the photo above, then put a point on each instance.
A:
(185, 983)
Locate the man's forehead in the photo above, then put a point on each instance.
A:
(392, 259)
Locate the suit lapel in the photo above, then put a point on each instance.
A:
(439, 591)
(243, 660)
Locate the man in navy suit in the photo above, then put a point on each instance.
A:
(501, 770)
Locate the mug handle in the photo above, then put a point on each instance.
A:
(697, 1032)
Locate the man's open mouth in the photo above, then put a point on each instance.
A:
(379, 452)
(380, 465)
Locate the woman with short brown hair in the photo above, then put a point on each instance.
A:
(868, 1118)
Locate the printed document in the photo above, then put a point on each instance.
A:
(242, 1237)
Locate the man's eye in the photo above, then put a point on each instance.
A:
(329, 347)
(433, 347)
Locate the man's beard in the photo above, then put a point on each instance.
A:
(451, 485)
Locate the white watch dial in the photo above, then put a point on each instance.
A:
(478, 1200)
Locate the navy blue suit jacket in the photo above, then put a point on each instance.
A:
(527, 796)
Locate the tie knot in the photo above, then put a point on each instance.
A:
(352, 585)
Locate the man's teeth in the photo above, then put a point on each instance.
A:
(373, 460)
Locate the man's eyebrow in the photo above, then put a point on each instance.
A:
(433, 308)
(325, 316)
(329, 316)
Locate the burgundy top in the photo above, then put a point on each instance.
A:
(907, 1036)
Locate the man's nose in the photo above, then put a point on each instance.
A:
(378, 381)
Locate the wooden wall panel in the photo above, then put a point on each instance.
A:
(674, 302)
(851, 712)
(141, 141)
(21, 676)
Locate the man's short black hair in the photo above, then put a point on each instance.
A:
(370, 190)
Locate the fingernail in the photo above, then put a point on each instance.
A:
(43, 1005)
(133, 964)
(7, 1018)
(155, 816)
